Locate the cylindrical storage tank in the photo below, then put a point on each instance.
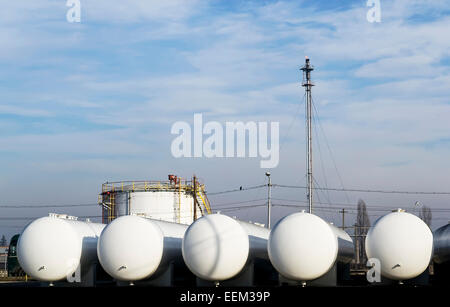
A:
(441, 238)
(346, 248)
(51, 248)
(303, 247)
(402, 243)
(133, 248)
(171, 201)
(217, 247)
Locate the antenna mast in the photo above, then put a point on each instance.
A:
(308, 85)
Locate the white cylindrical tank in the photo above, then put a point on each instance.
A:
(303, 247)
(51, 248)
(171, 206)
(402, 243)
(217, 247)
(133, 248)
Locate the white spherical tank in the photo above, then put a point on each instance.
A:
(48, 249)
(302, 246)
(130, 248)
(133, 248)
(217, 247)
(402, 243)
(51, 248)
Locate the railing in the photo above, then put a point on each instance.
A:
(109, 189)
(146, 186)
(202, 194)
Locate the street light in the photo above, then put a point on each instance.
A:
(269, 205)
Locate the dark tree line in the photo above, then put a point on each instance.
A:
(425, 215)
(361, 228)
(3, 241)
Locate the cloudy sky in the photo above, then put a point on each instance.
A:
(89, 102)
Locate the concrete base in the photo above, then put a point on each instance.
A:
(343, 273)
(421, 280)
(265, 273)
(162, 279)
(102, 278)
(339, 274)
(244, 279)
(283, 281)
(86, 277)
(327, 280)
(441, 274)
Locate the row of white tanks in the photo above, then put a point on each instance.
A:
(301, 247)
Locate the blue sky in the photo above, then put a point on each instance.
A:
(82, 103)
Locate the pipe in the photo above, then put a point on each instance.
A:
(441, 244)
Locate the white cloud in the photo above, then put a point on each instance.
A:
(405, 66)
(138, 11)
(8, 109)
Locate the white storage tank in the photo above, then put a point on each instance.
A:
(441, 238)
(51, 248)
(217, 247)
(402, 243)
(171, 201)
(303, 247)
(133, 248)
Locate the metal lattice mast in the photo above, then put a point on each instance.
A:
(308, 85)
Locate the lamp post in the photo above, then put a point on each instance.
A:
(269, 201)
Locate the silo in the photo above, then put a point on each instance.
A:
(176, 200)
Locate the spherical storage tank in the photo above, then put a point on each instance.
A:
(133, 248)
(303, 247)
(217, 247)
(51, 248)
(402, 243)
